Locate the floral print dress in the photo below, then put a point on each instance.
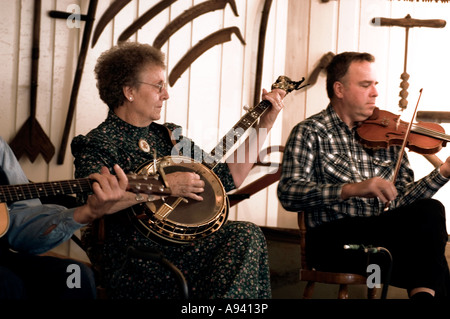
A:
(230, 263)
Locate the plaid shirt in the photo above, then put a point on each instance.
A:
(322, 155)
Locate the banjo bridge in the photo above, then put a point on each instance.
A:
(166, 209)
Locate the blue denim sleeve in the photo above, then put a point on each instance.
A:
(30, 221)
(37, 228)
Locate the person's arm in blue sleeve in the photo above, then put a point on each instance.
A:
(36, 228)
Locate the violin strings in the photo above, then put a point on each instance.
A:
(430, 132)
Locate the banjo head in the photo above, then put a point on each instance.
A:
(182, 221)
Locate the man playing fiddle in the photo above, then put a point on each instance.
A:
(343, 188)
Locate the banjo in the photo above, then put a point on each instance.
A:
(179, 220)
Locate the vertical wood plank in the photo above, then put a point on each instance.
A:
(299, 40)
(205, 83)
(348, 25)
(9, 48)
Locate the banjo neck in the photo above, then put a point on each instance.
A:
(248, 120)
(234, 134)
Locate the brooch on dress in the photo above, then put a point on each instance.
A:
(143, 145)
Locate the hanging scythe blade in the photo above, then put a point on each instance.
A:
(107, 16)
(190, 15)
(143, 19)
(202, 46)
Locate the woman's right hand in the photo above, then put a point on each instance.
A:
(185, 184)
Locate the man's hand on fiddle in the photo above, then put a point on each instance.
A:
(445, 168)
(378, 187)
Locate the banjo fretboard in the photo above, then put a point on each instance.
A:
(235, 133)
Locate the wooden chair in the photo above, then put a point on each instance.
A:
(312, 275)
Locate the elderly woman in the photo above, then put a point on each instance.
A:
(230, 263)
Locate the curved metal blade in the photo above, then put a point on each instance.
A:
(202, 46)
(143, 19)
(107, 16)
(190, 15)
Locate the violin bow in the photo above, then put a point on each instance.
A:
(402, 149)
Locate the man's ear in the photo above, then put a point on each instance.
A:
(338, 88)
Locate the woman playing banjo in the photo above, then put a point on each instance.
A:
(232, 262)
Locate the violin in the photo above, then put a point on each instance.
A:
(384, 129)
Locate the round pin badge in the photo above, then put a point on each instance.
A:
(143, 145)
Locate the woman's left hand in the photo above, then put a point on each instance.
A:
(275, 97)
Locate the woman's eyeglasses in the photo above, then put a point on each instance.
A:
(159, 86)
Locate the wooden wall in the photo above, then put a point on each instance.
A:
(209, 97)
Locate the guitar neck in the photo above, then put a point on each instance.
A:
(12, 193)
(232, 136)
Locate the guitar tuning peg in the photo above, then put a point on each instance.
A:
(246, 107)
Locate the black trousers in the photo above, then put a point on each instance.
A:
(24, 276)
(415, 235)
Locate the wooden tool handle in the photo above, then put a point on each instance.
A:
(409, 22)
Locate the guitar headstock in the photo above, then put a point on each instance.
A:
(150, 184)
(286, 84)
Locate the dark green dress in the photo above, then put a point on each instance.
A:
(230, 263)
